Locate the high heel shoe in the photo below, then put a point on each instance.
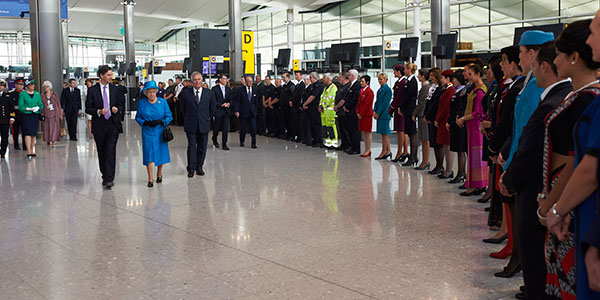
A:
(158, 179)
(384, 157)
(496, 241)
(507, 273)
(366, 155)
(410, 162)
(441, 176)
(403, 158)
(484, 199)
(458, 179)
(425, 167)
(475, 192)
(436, 171)
(397, 159)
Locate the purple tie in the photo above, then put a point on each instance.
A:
(105, 99)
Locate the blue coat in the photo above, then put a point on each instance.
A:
(197, 116)
(526, 103)
(247, 107)
(155, 149)
(384, 96)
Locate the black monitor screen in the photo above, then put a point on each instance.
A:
(445, 47)
(554, 28)
(283, 58)
(345, 53)
(408, 48)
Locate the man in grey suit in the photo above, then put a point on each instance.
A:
(198, 106)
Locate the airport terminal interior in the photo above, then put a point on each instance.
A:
(353, 149)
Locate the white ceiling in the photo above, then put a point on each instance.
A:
(103, 19)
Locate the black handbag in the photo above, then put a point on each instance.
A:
(167, 134)
(42, 117)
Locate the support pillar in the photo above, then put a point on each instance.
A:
(46, 42)
(65, 48)
(290, 34)
(131, 81)
(235, 40)
(20, 48)
(440, 24)
(417, 30)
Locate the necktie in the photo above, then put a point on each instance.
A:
(197, 98)
(105, 100)
(249, 94)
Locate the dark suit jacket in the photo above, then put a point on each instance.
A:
(525, 173)
(500, 142)
(6, 108)
(94, 102)
(341, 94)
(411, 91)
(352, 98)
(71, 102)
(197, 116)
(298, 94)
(222, 111)
(247, 108)
(287, 92)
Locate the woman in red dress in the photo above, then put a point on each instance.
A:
(364, 111)
(441, 119)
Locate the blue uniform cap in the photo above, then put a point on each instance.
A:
(535, 37)
(149, 85)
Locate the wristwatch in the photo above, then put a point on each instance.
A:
(555, 213)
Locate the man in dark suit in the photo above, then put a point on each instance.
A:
(311, 107)
(6, 109)
(198, 107)
(341, 114)
(70, 100)
(105, 104)
(350, 102)
(287, 105)
(297, 133)
(223, 95)
(246, 109)
(16, 126)
(261, 121)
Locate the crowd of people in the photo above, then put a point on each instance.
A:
(527, 140)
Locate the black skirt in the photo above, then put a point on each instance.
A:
(458, 139)
(30, 124)
(433, 136)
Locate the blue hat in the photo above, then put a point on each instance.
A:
(535, 37)
(149, 85)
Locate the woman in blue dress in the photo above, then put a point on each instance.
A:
(384, 97)
(153, 114)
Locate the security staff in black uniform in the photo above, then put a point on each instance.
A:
(297, 133)
(311, 106)
(286, 104)
(14, 98)
(278, 123)
(267, 97)
(6, 109)
(261, 127)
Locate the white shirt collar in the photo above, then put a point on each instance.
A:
(104, 85)
(548, 89)
(410, 77)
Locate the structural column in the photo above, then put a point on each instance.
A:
(290, 33)
(129, 48)
(440, 24)
(20, 48)
(417, 30)
(236, 68)
(65, 48)
(46, 42)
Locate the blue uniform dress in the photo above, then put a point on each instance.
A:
(155, 149)
(587, 141)
(526, 103)
(384, 97)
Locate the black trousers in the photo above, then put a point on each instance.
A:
(343, 131)
(353, 133)
(314, 125)
(173, 110)
(16, 129)
(4, 138)
(288, 116)
(270, 120)
(260, 119)
(245, 124)
(106, 143)
(221, 124)
(233, 123)
(297, 123)
(280, 117)
(72, 124)
(179, 116)
(532, 244)
(196, 149)
(305, 128)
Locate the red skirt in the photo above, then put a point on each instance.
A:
(365, 124)
(443, 135)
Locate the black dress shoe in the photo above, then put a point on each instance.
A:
(410, 163)
(441, 176)
(487, 209)
(254, 147)
(463, 187)
(225, 148)
(17, 148)
(507, 273)
(522, 288)
(200, 172)
(403, 158)
(74, 140)
(353, 153)
(496, 241)
(474, 192)
(484, 200)
(190, 174)
(158, 179)
(521, 296)
(150, 184)
(241, 144)
(384, 157)
(458, 179)
(109, 184)
(103, 182)
(436, 171)
(216, 144)
(425, 167)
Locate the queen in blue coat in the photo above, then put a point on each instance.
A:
(153, 115)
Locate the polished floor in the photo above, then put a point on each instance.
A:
(285, 221)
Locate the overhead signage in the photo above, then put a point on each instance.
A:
(296, 64)
(14, 8)
(392, 45)
(248, 51)
(216, 59)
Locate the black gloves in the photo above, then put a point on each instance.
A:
(152, 123)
